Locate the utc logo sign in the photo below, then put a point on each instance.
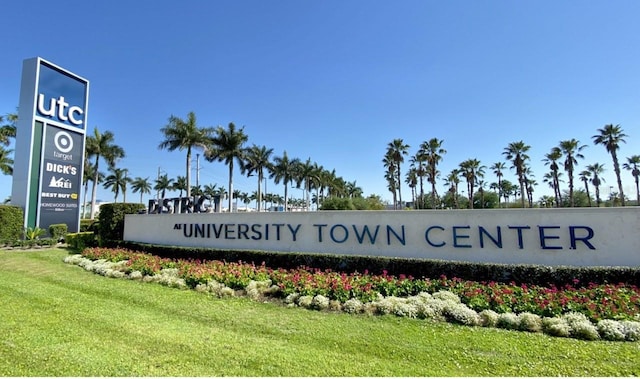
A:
(60, 108)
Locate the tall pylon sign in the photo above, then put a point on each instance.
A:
(50, 138)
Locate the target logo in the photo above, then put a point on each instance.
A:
(63, 141)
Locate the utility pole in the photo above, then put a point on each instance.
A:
(197, 169)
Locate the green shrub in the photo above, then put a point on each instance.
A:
(11, 219)
(78, 241)
(58, 231)
(337, 204)
(88, 225)
(111, 225)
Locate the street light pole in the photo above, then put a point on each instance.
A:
(197, 169)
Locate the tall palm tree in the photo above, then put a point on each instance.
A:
(453, 180)
(596, 170)
(258, 158)
(632, 165)
(284, 170)
(516, 152)
(412, 181)
(163, 183)
(498, 169)
(611, 137)
(433, 151)
(529, 185)
(551, 159)
(185, 134)
(101, 145)
(571, 150)
(141, 185)
(304, 173)
(471, 170)
(6, 162)
(397, 150)
(418, 163)
(585, 176)
(391, 177)
(227, 145)
(116, 181)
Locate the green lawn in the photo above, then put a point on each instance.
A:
(59, 320)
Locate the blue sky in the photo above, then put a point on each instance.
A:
(335, 81)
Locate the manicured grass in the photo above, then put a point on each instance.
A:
(59, 320)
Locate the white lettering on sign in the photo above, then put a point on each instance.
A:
(60, 183)
(60, 108)
(61, 168)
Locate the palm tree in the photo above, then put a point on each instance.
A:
(163, 183)
(185, 134)
(551, 159)
(530, 184)
(117, 181)
(101, 145)
(585, 176)
(141, 185)
(418, 163)
(257, 160)
(87, 176)
(546, 201)
(471, 170)
(452, 180)
(390, 176)
(412, 181)
(516, 152)
(498, 169)
(596, 170)
(210, 191)
(197, 191)
(180, 184)
(227, 146)
(611, 137)
(433, 152)
(6, 162)
(632, 165)
(571, 150)
(397, 149)
(236, 196)
(304, 173)
(284, 170)
(8, 130)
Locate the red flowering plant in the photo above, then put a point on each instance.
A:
(596, 301)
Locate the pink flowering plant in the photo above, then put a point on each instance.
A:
(596, 301)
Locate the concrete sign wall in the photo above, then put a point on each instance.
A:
(47, 175)
(577, 237)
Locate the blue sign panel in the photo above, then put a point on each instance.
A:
(60, 97)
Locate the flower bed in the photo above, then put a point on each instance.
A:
(472, 303)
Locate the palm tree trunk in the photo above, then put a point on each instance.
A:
(259, 199)
(286, 196)
(586, 188)
(188, 176)
(94, 190)
(400, 187)
(230, 186)
(616, 168)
